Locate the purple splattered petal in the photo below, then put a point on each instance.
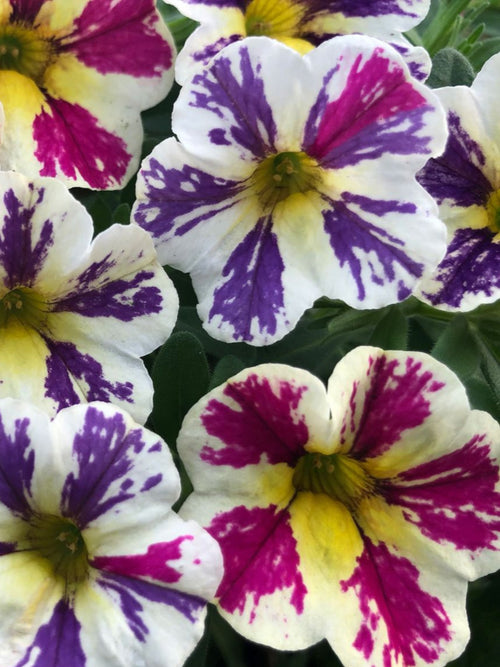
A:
(17, 459)
(252, 295)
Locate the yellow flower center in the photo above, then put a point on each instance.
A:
(493, 211)
(24, 305)
(24, 50)
(60, 541)
(336, 475)
(273, 18)
(279, 176)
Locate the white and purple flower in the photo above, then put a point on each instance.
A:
(300, 24)
(293, 178)
(74, 77)
(76, 314)
(465, 181)
(95, 568)
(356, 514)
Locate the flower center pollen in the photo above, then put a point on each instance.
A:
(24, 305)
(279, 176)
(337, 475)
(280, 18)
(493, 211)
(23, 50)
(60, 541)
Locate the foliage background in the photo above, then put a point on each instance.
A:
(460, 36)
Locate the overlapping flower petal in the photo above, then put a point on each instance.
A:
(73, 80)
(357, 514)
(465, 182)
(271, 205)
(299, 24)
(76, 314)
(138, 597)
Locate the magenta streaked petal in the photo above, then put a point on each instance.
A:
(412, 621)
(71, 142)
(104, 31)
(260, 559)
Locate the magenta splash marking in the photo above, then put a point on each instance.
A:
(376, 93)
(260, 558)
(70, 139)
(264, 422)
(120, 37)
(152, 564)
(453, 498)
(393, 403)
(391, 601)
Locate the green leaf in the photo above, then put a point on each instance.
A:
(391, 332)
(483, 50)
(226, 368)
(180, 378)
(457, 348)
(450, 68)
(121, 214)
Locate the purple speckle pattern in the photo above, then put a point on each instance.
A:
(105, 452)
(351, 234)
(397, 399)
(378, 111)
(391, 600)
(57, 642)
(123, 299)
(243, 105)
(366, 8)
(107, 33)
(127, 592)
(469, 268)
(263, 423)
(452, 498)
(21, 257)
(17, 459)
(66, 363)
(456, 177)
(260, 557)
(253, 289)
(210, 50)
(69, 140)
(187, 193)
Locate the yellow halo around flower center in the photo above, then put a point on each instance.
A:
(336, 475)
(24, 305)
(273, 18)
(59, 541)
(24, 50)
(493, 211)
(282, 175)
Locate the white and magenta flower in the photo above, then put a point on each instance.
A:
(293, 178)
(465, 181)
(73, 78)
(95, 568)
(300, 24)
(358, 514)
(76, 315)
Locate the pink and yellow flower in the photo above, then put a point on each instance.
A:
(73, 78)
(358, 514)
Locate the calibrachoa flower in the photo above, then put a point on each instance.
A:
(294, 177)
(76, 314)
(300, 24)
(357, 514)
(73, 78)
(465, 181)
(95, 568)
